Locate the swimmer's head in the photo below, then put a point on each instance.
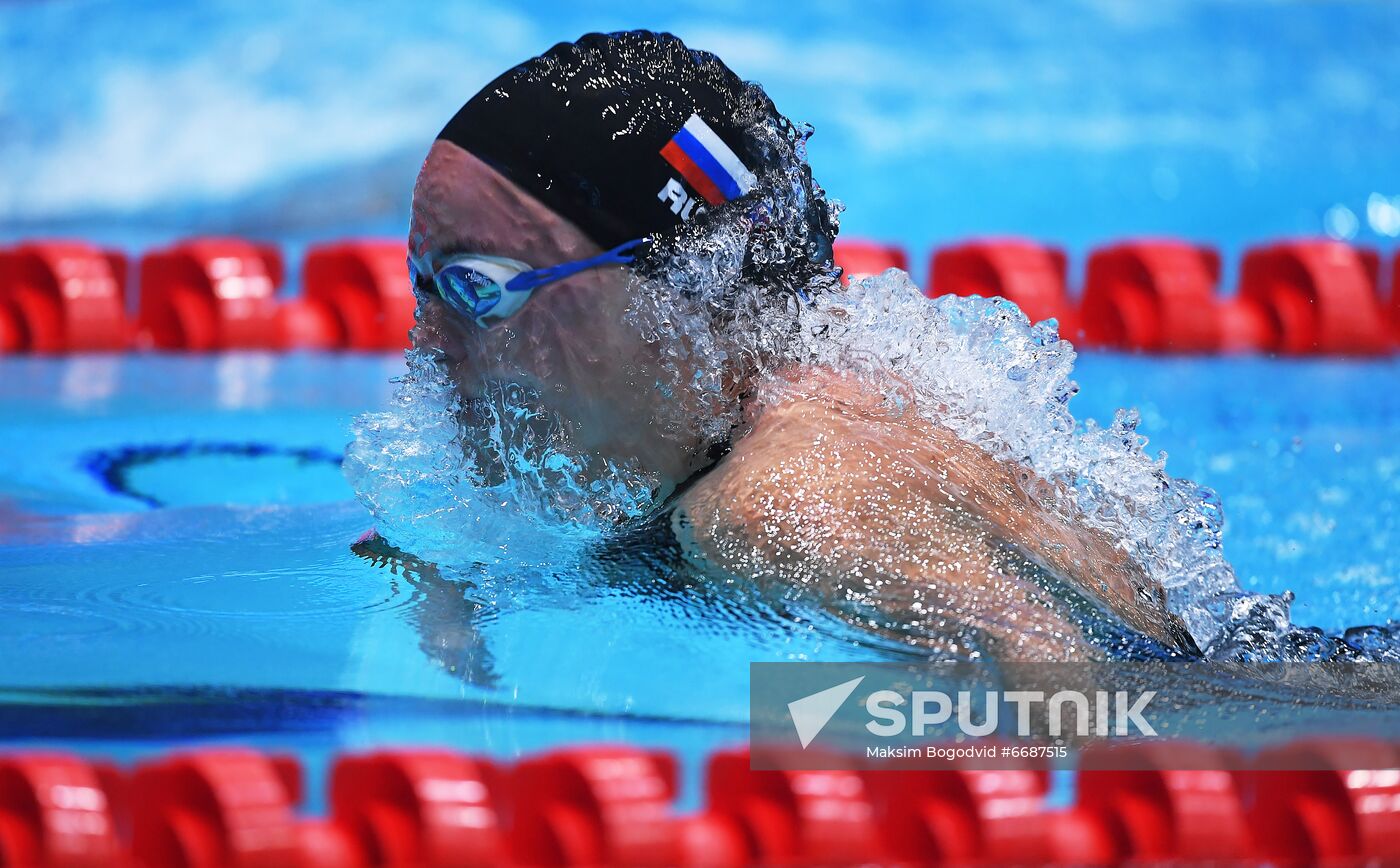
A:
(596, 221)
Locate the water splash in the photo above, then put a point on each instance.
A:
(495, 480)
(1259, 628)
(979, 369)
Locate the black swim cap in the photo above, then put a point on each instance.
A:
(625, 134)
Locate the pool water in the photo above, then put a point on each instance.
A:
(177, 536)
(1305, 455)
(242, 576)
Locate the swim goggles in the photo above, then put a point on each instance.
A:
(488, 289)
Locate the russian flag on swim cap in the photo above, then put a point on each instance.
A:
(707, 163)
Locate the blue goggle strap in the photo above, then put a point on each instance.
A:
(622, 254)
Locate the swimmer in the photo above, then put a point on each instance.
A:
(552, 205)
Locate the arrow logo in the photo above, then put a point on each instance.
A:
(811, 713)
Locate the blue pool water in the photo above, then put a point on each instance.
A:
(237, 610)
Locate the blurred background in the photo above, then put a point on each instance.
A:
(1077, 123)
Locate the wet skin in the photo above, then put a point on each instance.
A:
(569, 341)
(861, 500)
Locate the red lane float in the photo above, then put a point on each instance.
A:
(1154, 295)
(1345, 811)
(355, 295)
(1395, 296)
(1319, 296)
(13, 335)
(421, 808)
(1030, 274)
(209, 294)
(206, 294)
(1161, 811)
(1244, 326)
(857, 258)
(596, 806)
(795, 817)
(964, 816)
(55, 810)
(62, 296)
(228, 809)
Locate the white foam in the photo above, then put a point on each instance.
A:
(1004, 384)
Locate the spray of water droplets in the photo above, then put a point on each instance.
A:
(496, 480)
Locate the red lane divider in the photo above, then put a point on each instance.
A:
(795, 817)
(229, 807)
(1318, 296)
(56, 810)
(1338, 814)
(62, 296)
(13, 334)
(614, 805)
(210, 294)
(1161, 295)
(422, 808)
(1152, 295)
(1147, 295)
(361, 293)
(219, 294)
(1395, 295)
(858, 258)
(596, 806)
(1028, 273)
(1162, 812)
(967, 816)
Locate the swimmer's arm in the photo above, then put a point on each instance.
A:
(866, 536)
(1063, 544)
(825, 493)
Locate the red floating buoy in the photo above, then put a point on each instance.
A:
(360, 293)
(305, 324)
(207, 294)
(55, 810)
(857, 258)
(1167, 801)
(1327, 802)
(1025, 272)
(606, 805)
(62, 296)
(12, 332)
(1319, 296)
(964, 815)
(1395, 295)
(421, 808)
(1154, 296)
(229, 808)
(796, 816)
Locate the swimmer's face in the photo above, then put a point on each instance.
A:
(570, 341)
